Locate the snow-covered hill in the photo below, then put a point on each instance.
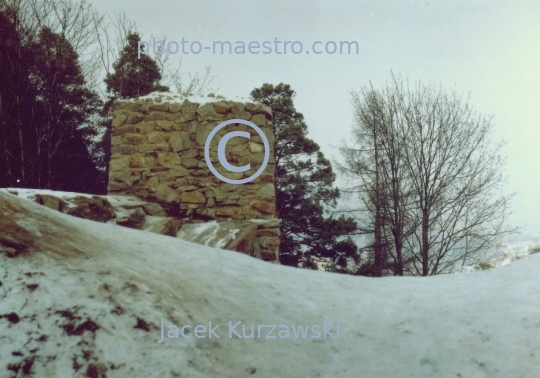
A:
(86, 299)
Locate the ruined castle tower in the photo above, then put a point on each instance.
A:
(158, 154)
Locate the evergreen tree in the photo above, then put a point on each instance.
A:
(304, 191)
(65, 109)
(16, 94)
(134, 77)
(46, 110)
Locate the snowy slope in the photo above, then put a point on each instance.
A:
(87, 299)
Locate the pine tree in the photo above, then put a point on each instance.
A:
(46, 110)
(132, 76)
(65, 108)
(304, 191)
(16, 94)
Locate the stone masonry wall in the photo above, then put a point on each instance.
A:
(157, 147)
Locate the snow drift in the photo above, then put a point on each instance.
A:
(81, 298)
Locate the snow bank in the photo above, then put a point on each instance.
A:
(88, 299)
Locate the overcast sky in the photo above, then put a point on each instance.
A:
(490, 49)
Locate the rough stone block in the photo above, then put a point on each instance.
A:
(157, 137)
(118, 119)
(266, 110)
(222, 108)
(133, 139)
(159, 107)
(134, 220)
(190, 163)
(256, 147)
(259, 120)
(157, 116)
(229, 210)
(179, 172)
(142, 162)
(145, 127)
(263, 207)
(269, 255)
(168, 159)
(163, 226)
(179, 141)
(206, 110)
(268, 190)
(175, 108)
(124, 130)
(51, 202)
(117, 164)
(192, 197)
(165, 193)
(134, 118)
(154, 209)
(162, 147)
(123, 175)
(146, 147)
(95, 208)
(165, 125)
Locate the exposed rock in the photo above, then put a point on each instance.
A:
(258, 237)
(134, 220)
(218, 234)
(96, 208)
(162, 225)
(15, 239)
(51, 202)
(155, 209)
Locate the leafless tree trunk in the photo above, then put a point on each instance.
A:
(377, 174)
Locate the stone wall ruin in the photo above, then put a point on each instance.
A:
(157, 147)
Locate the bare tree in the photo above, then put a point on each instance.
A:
(377, 176)
(433, 173)
(197, 83)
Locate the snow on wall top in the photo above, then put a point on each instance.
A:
(171, 97)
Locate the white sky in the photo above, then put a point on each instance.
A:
(488, 48)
